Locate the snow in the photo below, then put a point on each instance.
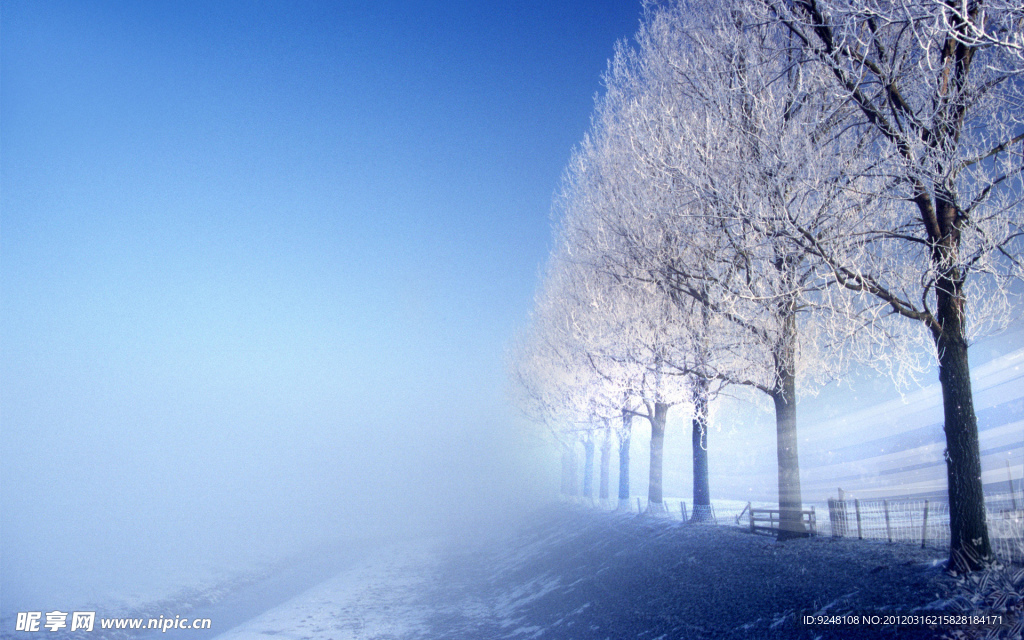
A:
(584, 573)
(179, 592)
(375, 599)
(578, 572)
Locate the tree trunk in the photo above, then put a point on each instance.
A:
(655, 502)
(701, 485)
(791, 523)
(588, 470)
(606, 457)
(969, 546)
(566, 471)
(790, 502)
(627, 427)
(574, 483)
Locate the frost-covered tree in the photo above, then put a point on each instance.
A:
(650, 333)
(704, 147)
(937, 88)
(562, 375)
(547, 388)
(629, 335)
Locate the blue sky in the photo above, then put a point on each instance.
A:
(257, 255)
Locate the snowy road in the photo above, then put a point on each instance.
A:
(374, 598)
(303, 573)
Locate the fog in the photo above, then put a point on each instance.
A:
(112, 508)
(260, 264)
(259, 268)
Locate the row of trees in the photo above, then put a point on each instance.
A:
(770, 191)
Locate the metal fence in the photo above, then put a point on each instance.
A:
(925, 522)
(921, 522)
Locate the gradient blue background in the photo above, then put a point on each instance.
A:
(259, 263)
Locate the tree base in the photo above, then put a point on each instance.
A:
(964, 560)
(787, 534)
(656, 510)
(703, 514)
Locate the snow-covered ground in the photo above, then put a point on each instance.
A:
(377, 598)
(577, 572)
(229, 595)
(583, 573)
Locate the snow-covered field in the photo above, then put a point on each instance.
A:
(581, 573)
(576, 572)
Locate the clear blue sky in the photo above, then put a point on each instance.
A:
(246, 248)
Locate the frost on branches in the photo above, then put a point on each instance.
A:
(935, 90)
(772, 190)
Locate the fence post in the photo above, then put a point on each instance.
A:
(751, 512)
(924, 524)
(841, 513)
(856, 504)
(813, 523)
(1009, 481)
(888, 530)
(682, 509)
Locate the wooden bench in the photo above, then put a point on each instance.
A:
(767, 520)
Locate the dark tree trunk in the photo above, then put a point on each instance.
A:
(655, 502)
(701, 485)
(969, 545)
(606, 458)
(784, 396)
(627, 427)
(588, 470)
